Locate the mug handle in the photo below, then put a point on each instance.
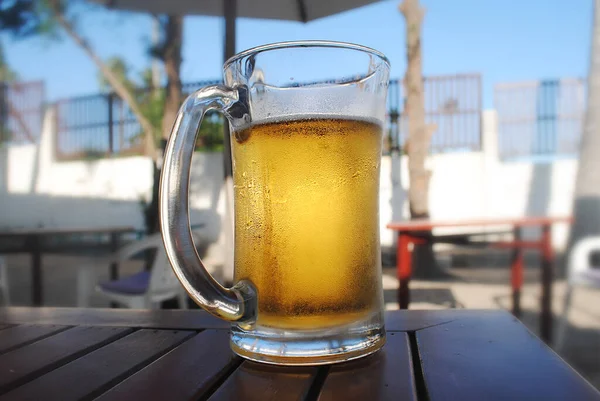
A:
(236, 304)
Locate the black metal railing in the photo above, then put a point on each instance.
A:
(101, 125)
(534, 118)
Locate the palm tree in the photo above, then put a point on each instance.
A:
(419, 134)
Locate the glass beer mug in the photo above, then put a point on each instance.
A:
(306, 152)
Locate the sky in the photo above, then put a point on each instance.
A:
(504, 40)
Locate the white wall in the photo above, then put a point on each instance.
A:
(37, 190)
(478, 184)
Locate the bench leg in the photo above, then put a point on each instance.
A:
(516, 278)
(404, 270)
(547, 277)
(37, 290)
(114, 267)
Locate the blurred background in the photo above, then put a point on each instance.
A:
(89, 91)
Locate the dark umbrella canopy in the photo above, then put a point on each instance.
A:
(289, 10)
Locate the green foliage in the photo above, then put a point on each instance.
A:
(120, 69)
(27, 17)
(152, 104)
(93, 154)
(147, 78)
(7, 74)
(22, 18)
(210, 133)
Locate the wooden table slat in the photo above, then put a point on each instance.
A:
(187, 372)
(98, 371)
(198, 319)
(18, 336)
(387, 375)
(25, 363)
(258, 382)
(495, 359)
(409, 321)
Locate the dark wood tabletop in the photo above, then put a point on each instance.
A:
(85, 354)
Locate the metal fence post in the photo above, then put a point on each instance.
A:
(111, 139)
(4, 133)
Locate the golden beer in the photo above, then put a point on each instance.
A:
(306, 221)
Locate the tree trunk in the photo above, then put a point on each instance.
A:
(230, 13)
(419, 134)
(171, 56)
(118, 86)
(155, 66)
(586, 208)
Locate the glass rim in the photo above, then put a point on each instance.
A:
(305, 43)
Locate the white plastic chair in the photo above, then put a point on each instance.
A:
(144, 290)
(4, 286)
(579, 272)
(149, 288)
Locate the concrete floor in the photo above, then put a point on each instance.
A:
(474, 288)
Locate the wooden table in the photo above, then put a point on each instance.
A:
(74, 354)
(33, 244)
(419, 232)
